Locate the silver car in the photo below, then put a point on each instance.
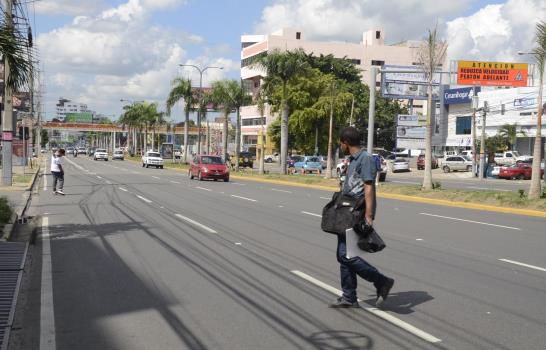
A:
(457, 163)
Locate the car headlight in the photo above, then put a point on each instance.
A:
(205, 170)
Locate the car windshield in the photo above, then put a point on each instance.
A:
(101, 150)
(153, 154)
(515, 153)
(313, 159)
(297, 159)
(400, 161)
(118, 152)
(467, 158)
(211, 160)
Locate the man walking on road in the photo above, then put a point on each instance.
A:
(57, 171)
(359, 181)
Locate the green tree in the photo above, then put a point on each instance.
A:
(539, 53)
(45, 138)
(182, 90)
(280, 68)
(15, 52)
(510, 133)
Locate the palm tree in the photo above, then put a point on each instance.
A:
(260, 100)
(510, 133)
(280, 68)
(15, 52)
(430, 56)
(539, 52)
(181, 90)
(131, 118)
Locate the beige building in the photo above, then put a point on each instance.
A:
(371, 51)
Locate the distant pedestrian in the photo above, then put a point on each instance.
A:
(359, 181)
(57, 170)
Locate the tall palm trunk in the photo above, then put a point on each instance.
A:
(153, 137)
(237, 139)
(284, 131)
(535, 188)
(225, 135)
(427, 179)
(186, 134)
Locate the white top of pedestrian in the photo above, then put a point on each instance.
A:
(55, 162)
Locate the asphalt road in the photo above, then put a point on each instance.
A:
(139, 258)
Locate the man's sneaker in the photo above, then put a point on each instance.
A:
(341, 303)
(55, 192)
(383, 291)
(60, 192)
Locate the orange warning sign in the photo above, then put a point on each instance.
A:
(492, 73)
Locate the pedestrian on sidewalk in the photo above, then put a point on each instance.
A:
(57, 170)
(359, 181)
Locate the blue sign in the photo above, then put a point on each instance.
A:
(461, 95)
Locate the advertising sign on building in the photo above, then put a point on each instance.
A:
(83, 117)
(460, 96)
(410, 131)
(492, 73)
(167, 151)
(409, 84)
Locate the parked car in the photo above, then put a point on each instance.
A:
(342, 165)
(309, 164)
(421, 162)
(467, 153)
(457, 163)
(245, 160)
(118, 154)
(530, 162)
(400, 164)
(100, 153)
(292, 160)
(208, 167)
(270, 158)
(510, 157)
(81, 150)
(70, 150)
(521, 171)
(496, 170)
(151, 158)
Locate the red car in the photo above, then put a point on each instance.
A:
(521, 171)
(421, 162)
(208, 167)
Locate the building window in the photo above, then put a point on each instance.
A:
(378, 63)
(256, 84)
(253, 121)
(463, 126)
(249, 60)
(244, 45)
(298, 35)
(503, 108)
(377, 34)
(354, 61)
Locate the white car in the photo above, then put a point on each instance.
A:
(271, 158)
(100, 153)
(400, 164)
(118, 154)
(152, 158)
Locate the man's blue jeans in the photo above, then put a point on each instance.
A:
(350, 268)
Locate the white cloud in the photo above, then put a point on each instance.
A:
(495, 32)
(68, 7)
(116, 54)
(348, 19)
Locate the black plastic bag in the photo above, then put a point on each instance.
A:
(369, 240)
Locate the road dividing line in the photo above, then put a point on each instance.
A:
(123, 189)
(144, 199)
(284, 191)
(244, 198)
(108, 182)
(195, 223)
(237, 184)
(155, 177)
(204, 189)
(525, 265)
(312, 214)
(99, 177)
(375, 311)
(325, 198)
(47, 312)
(174, 182)
(471, 221)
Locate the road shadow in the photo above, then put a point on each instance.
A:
(403, 302)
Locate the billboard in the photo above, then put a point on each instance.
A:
(410, 84)
(167, 151)
(410, 131)
(492, 73)
(83, 117)
(461, 95)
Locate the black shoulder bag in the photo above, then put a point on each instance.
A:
(342, 212)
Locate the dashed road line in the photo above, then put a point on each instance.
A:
(99, 177)
(311, 214)
(277, 190)
(244, 198)
(195, 223)
(471, 221)
(524, 265)
(123, 189)
(204, 189)
(325, 198)
(144, 199)
(174, 182)
(108, 182)
(375, 311)
(155, 177)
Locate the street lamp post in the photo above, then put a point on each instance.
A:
(201, 71)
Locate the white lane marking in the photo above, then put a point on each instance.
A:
(284, 191)
(99, 177)
(47, 312)
(281, 206)
(238, 243)
(471, 221)
(175, 182)
(325, 198)
(155, 177)
(418, 239)
(379, 313)
(312, 214)
(195, 223)
(238, 184)
(116, 167)
(144, 199)
(204, 189)
(525, 265)
(244, 198)
(108, 182)
(123, 189)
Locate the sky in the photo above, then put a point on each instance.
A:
(100, 51)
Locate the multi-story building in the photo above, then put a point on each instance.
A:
(66, 106)
(371, 51)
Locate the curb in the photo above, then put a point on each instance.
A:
(406, 198)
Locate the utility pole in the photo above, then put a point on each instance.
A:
(371, 111)
(330, 132)
(352, 111)
(475, 102)
(482, 147)
(7, 122)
